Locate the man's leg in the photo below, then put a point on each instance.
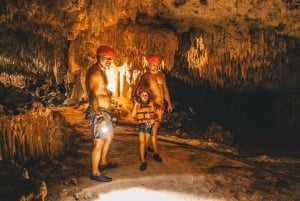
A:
(105, 149)
(95, 158)
(96, 155)
(154, 136)
(160, 114)
(156, 156)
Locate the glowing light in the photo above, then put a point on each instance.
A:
(139, 193)
(112, 76)
(183, 187)
(197, 56)
(104, 129)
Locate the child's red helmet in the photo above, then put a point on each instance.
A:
(143, 89)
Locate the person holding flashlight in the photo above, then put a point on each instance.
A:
(98, 112)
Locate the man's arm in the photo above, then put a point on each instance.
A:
(93, 89)
(98, 91)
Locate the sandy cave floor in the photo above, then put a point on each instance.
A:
(191, 170)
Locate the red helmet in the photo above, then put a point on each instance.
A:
(143, 89)
(154, 58)
(105, 50)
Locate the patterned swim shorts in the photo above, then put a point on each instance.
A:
(99, 130)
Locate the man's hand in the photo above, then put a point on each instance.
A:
(101, 121)
(170, 108)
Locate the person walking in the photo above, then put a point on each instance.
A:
(155, 80)
(98, 113)
(144, 114)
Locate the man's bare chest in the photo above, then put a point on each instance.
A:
(155, 79)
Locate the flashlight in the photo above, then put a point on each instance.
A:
(104, 129)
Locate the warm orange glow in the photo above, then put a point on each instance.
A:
(17, 80)
(154, 188)
(119, 77)
(198, 56)
(112, 74)
(144, 194)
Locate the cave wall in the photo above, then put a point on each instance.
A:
(132, 45)
(260, 60)
(35, 134)
(234, 45)
(229, 44)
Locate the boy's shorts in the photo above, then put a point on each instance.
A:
(144, 128)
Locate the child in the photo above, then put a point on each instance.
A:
(144, 113)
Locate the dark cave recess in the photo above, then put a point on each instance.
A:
(224, 106)
(256, 118)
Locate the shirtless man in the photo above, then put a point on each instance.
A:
(98, 112)
(156, 81)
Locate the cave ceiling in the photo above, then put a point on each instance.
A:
(241, 44)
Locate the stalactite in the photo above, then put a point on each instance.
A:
(264, 49)
(31, 136)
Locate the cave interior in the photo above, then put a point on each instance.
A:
(232, 62)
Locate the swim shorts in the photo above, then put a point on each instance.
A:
(98, 130)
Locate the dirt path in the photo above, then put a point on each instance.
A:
(187, 173)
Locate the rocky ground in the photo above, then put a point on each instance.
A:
(192, 169)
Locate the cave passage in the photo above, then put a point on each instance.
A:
(251, 117)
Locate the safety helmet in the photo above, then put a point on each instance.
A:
(143, 89)
(105, 50)
(154, 58)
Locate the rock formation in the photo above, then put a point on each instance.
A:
(239, 45)
(47, 46)
(242, 46)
